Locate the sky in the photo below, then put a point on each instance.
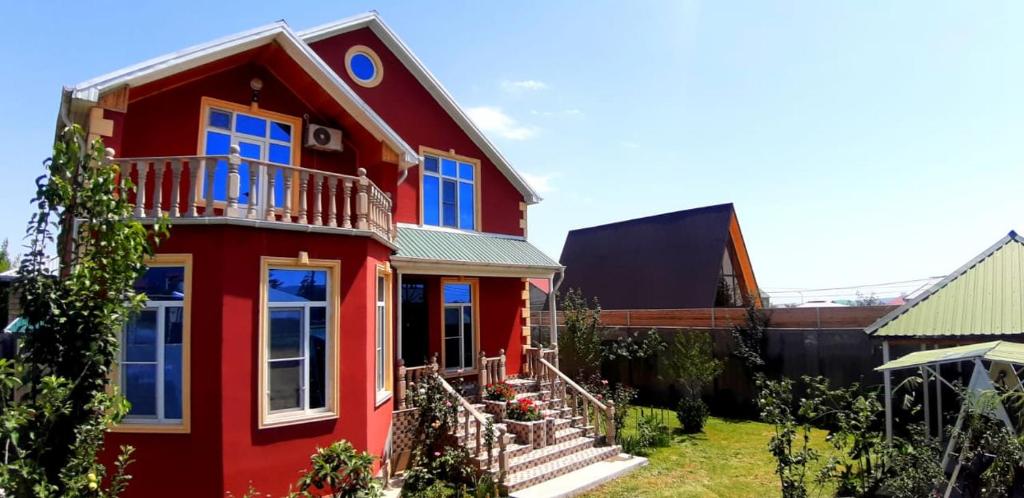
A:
(861, 142)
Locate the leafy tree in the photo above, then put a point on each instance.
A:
(579, 341)
(690, 361)
(52, 430)
(6, 261)
(749, 339)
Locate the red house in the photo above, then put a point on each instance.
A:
(337, 222)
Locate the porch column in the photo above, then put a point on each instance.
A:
(887, 376)
(398, 313)
(552, 316)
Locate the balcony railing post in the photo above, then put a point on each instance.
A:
(158, 187)
(400, 390)
(303, 195)
(610, 423)
(362, 200)
(501, 365)
(211, 171)
(254, 178)
(482, 374)
(286, 214)
(175, 188)
(332, 210)
(270, 215)
(142, 167)
(388, 218)
(318, 193)
(346, 206)
(234, 162)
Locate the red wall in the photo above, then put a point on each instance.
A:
(417, 117)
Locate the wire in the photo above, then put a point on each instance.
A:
(883, 284)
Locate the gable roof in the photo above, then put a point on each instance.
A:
(413, 64)
(667, 261)
(279, 32)
(983, 297)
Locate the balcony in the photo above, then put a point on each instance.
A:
(233, 189)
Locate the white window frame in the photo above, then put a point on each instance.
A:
(272, 418)
(462, 326)
(382, 332)
(425, 152)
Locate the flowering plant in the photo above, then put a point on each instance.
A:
(499, 391)
(524, 410)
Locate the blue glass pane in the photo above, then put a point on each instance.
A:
(457, 293)
(466, 212)
(140, 388)
(173, 325)
(431, 195)
(251, 151)
(430, 163)
(285, 384)
(448, 167)
(280, 131)
(362, 67)
(467, 336)
(218, 144)
(317, 357)
(466, 171)
(172, 381)
(250, 125)
(285, 333)
(280, 154)
(162, 283)
(448, 204)
(297, 285)
(220, 119)
(140, 337)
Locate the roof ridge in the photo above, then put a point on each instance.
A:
(670, 214)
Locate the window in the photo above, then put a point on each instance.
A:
(728, 292)
(383, 334)
(259, 135)
(152, 369)
(363, 65)
(298, 341)
(459, 329)
(449, 191)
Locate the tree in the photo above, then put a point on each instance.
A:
(579, 343)
(53, 430)
(6, 261)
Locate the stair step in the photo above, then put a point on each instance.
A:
(548, 453)
(564, 435)
(559, 466)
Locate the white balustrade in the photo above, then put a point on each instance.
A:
(276, 193)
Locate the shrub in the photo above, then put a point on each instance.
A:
(692, 413)
(340, 470)
(524, 410)
(619, 394)
(499, 391)
(579, 342)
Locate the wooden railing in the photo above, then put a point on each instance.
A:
(474, 423)
(491, 370)
(210, 186)
(410, 376)
(531, 360)
(583, 404)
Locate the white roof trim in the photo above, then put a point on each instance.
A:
(175, 62)
(431, 83)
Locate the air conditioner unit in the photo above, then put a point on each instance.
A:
(323, 138)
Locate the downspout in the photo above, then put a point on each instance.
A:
(553, 310)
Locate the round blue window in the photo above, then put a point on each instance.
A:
(362, 67)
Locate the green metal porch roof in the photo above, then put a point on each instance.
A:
(1002, 351)
(450, 246)
(983, 297)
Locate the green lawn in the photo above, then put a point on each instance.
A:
(730, 459)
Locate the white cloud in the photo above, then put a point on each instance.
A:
(523, 86)
(541, 183)
(563, 112)
(493, 119)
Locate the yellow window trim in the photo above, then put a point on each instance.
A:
(206, 103)
(302, 262)
(378, 73)
(477, 181)
(384, 270)
(474, 288)
(183, 260)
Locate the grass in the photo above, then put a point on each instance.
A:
(730, 459)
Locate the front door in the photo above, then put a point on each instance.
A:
(415, 319)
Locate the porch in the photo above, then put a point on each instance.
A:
(232, 189)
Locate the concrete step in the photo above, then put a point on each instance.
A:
(539, 456)
(559, 466)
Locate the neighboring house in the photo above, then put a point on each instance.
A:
(687, 259)
(334, 214)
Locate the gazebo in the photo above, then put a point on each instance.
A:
(980, 302)
(995, 368)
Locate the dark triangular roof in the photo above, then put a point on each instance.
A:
(667, 261)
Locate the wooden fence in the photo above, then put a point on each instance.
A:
(714, 318)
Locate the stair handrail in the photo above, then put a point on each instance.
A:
(607, 409)
(481, 424)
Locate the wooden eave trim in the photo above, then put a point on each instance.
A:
(743, 258)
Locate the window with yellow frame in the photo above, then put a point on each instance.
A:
(450, 189)
(382, 336)
(260, 135)
(153, 371)
(298, 340)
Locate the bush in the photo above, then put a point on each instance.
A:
(651, 432)
(340, 470)
(692, 413)
(499, 391)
